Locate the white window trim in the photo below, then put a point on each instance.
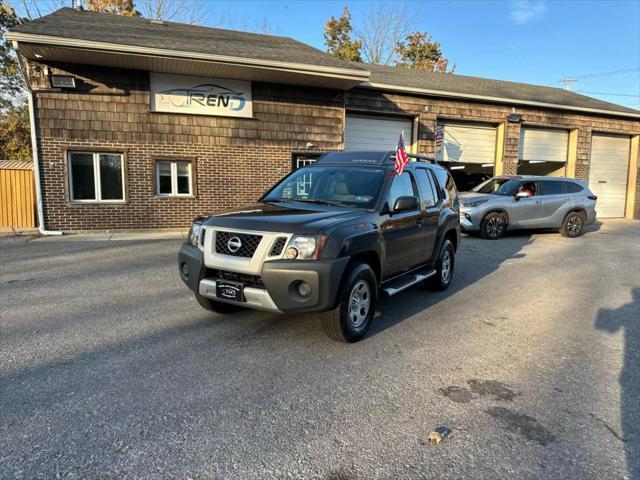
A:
(174, 179)
(96, 178)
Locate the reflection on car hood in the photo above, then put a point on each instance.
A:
(474, 196)
(285, 217)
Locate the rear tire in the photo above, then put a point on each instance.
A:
(493, 226)
(218, 307)
(573, 225)
(357, 297)
(444, 267)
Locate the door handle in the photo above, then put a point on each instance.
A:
(420, 223)
(538, 201)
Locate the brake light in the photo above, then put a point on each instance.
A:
(592, 197)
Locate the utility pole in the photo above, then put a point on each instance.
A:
(567, 83)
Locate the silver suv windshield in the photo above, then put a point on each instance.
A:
(348, 186)
(498, 186)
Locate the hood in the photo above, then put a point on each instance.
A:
(285, 217)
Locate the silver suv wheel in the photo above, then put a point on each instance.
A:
(359, 303)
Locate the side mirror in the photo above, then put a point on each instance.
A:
(520, 195)
(405, 203)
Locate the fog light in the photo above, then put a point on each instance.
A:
(291, 253)
(304, 289)
(185, 270)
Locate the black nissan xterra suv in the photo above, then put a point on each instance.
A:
(328, 238)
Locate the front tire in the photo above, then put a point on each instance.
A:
(573, 225)
(493, 226)
(218, 307)
(444, 267)
(357, 297)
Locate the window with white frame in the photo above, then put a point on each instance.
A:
(173, 178)
(96, 177)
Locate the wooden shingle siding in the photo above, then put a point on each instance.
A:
(237, 159)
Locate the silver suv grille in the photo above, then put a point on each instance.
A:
(237, 244)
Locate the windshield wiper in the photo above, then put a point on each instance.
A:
(320, 202)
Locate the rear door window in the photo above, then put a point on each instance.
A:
(426, 187)
(572, 187)
(550, 187)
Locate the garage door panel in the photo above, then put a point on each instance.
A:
(539, 144)
(608, 172)
(367, 132)
(468, 143)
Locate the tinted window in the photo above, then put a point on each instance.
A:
(572, 187)
(402, 186)
(82, 176)
(426, 187)
(552, 188)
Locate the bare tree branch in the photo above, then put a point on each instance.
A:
(382, 27)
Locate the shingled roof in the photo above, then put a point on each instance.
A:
(383, 77)
(142, 32)
(78, 29)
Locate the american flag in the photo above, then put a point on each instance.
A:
(401, 156)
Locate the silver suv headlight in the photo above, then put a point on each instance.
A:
(474, 203)
(194, 234)
(304, 247)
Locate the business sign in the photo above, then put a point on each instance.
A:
(200, 95)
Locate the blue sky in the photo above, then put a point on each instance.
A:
(532, 41)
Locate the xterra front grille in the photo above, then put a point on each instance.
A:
(237, 244)
(278, 246)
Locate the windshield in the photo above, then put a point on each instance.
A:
(497, 186)
(349, 186)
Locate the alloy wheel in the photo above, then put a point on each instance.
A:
(574, 225)
(494, 227)
(359, 303)
(445, 267)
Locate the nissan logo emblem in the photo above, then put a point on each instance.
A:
(234, 244)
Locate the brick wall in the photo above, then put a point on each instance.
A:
(236, 159)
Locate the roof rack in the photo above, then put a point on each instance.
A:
(419, 157)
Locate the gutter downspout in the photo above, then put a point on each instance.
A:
(34, 148)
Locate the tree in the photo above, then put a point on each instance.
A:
(12, 89)
(382, 27)
(15, 141)
(337, 37)
(419, 51)
(115, 7)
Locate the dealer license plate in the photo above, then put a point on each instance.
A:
(229, 291)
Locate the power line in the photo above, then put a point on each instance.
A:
(609, 93)
(605, 74)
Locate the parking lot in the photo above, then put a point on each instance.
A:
(110, 369)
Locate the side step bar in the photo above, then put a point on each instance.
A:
(404, 283)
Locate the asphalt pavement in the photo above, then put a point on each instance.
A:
(530, 362)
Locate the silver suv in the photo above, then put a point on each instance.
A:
(519, 202)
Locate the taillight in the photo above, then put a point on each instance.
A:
(592, 197)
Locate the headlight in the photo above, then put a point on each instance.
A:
(474, 204)
(194, 234)
(305, 248)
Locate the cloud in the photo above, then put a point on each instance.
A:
(524, 11)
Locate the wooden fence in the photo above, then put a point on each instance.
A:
(17, 195)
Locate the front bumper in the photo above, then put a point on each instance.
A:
(470, 219)
(278, 292)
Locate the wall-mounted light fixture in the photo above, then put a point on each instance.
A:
(514, 118)
(63, 81)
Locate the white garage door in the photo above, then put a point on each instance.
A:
(367, 132)
(608, 173)
(468, 143)
(543, 145)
